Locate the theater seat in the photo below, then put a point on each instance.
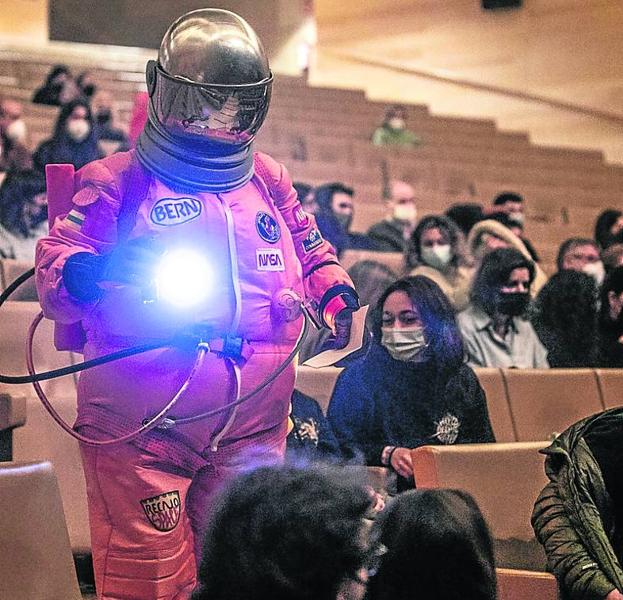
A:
(514, 584)
(11, 270)
(611, 386)
(544, 402)
(504, 479)
(392, 260)
(36, 561)
(492, 383)
(317, 383)
(12, 415)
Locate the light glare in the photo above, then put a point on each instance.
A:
(184, 278)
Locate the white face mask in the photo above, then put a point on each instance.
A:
(396, 123)
(406, 212)
(78, 129)
(16, 131)
(517, 216)
(406, 345)
(596, 271)
(438, 256)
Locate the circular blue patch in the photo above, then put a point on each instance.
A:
(267, 227)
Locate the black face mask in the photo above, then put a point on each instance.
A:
(88, 90)
(512, 304)
(103, 117)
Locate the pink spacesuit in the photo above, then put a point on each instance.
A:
(148, 500)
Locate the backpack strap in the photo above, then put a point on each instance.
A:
(134, 189)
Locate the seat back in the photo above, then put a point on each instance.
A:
(392, 260)
(516, 584)
(492, 383)
(36, 558)
(317, 383)
(504, 479)
(611, 386)
(544, 402)
(11, 270)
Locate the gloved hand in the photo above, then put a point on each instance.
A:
(132, 262)
(336, 311)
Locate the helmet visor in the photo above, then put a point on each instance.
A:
(210, 112)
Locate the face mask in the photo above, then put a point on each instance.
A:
(16, 131)
(405, 212)
(344, 219)
(78, 129)
(513, 304)
(596, 271)
(406, 345)
(89, 90)
(437, 257)
(519, 217)
(396, 123)
(103, 116)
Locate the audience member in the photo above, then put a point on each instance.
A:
(14, 155)
(437, 250)
(102, 108)
(370, 279)
(284, 533)
(581, 254)
(465, 215)
(393, 232)
(578, 517)
(335, 216)
(609, 228)
(494, 329)
(74, 140)
(517, 228)
(437, 547)
(59, 88)
(393, 131)
(86, 85)
(23, 215)
(611, 320)
(512, 204)
(565, 319)
(305, 194)
(613, 257)
(310, 438)
(489, 235)
(412, 388)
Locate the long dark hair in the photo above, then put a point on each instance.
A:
(493, 273)
(602, 227)
(438, 548)
(441, 331)
(18, 188)
(413, 256)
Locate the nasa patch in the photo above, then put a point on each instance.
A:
(175, 211)
(312, 241)
(163, 511)
(269, 259)
(267, 227)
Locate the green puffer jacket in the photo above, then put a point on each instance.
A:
(573, 516)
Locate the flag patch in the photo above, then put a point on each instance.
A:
(75, 219)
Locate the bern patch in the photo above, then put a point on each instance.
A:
(312, 241)
(175, 211)
(267, 227)
(447, 429)
(163, 511)
(269, 259)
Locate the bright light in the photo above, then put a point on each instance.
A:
(184, 278)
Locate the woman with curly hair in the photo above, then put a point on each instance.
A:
(436, 250)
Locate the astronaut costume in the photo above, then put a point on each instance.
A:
(192, 181)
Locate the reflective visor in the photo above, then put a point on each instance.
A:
(210, 112)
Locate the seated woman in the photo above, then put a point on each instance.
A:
(436, 250)
(413, 386)
(611, 320)
(74, 140)
(437, 547)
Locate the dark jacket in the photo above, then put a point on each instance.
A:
(63, 149)
(388, 235)
(379, 401)
(611, 343)
(14, 156)
(575, 516)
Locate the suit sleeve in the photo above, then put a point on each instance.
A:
(90, 226)
(321, 269)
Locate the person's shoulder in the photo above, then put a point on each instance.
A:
(105, 171)
(466, 318)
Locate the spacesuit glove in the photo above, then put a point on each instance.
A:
(81, 273)
(336, 311)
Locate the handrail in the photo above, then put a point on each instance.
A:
(493, 89)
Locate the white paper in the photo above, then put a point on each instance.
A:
(330, 357)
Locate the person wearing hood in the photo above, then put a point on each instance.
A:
(74, 140)
(393, 131)
(58, 89)
(578, 517)
(609, 228)
(105, 127)
(611, 320)
(488, 235)
(494, 329)
(393, 232)
(14, 156)
(436, 251)
(412, 388)
(335, 215)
